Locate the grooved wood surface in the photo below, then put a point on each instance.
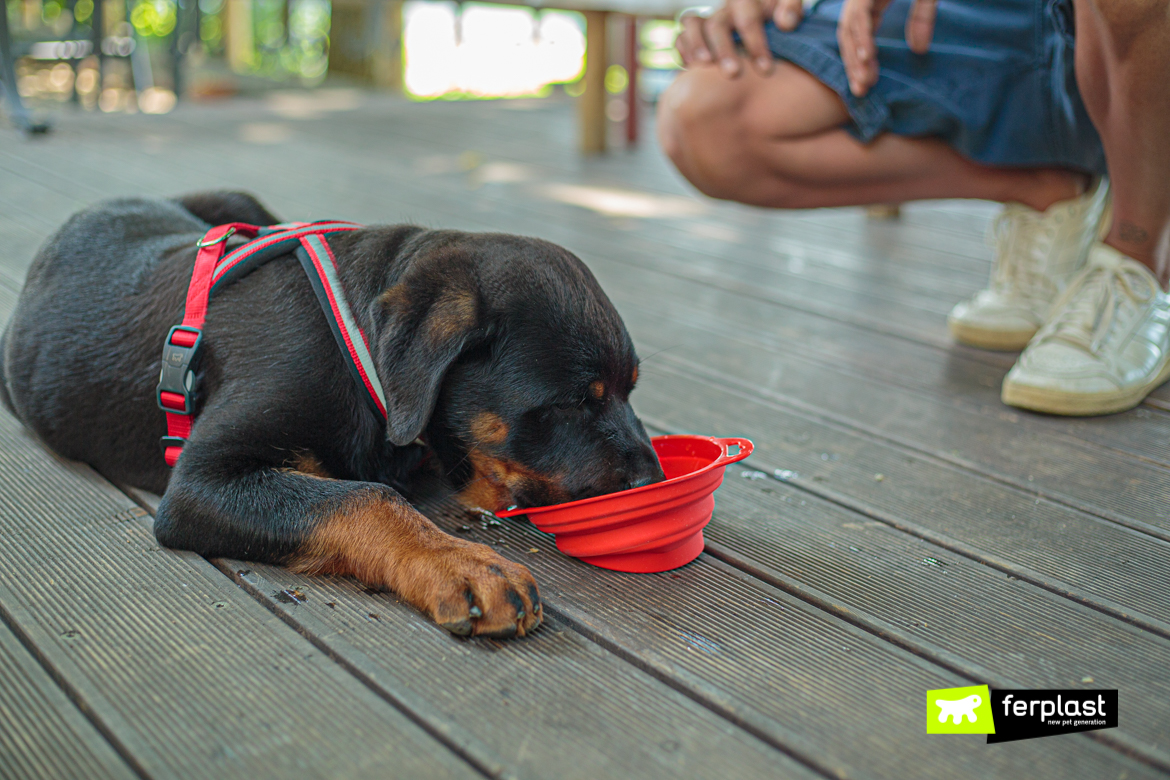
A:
(936, 603)
(997, 546)
(1130, 490)
(191, 675)
(1115, 568)
(784, 667)
(43, 736)
(551, 705)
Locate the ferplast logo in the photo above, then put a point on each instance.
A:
(959, 711)
(1010, 715)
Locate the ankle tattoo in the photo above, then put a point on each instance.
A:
(1132, 234)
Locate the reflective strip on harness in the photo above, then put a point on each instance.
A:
(323, 276)
(255, 253)
(213, 271)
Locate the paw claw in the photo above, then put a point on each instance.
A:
(481, 593)
(459, 627)
(507, 632)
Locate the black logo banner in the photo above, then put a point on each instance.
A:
(1028, 714)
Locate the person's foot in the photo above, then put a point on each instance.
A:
(1036, 254)
(1105, 347)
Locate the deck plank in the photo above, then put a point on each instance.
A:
(841, 335)
(925, 598)
(779, 666)
(872, 300)
(1115, 435)
(189, 674)
(44, 735)
(1011, 446)
(550, 705)
(1114, 568)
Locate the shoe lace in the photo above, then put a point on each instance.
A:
(1023, 243)
(1101, 296)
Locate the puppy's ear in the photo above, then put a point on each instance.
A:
(426, 321)
(222, 206)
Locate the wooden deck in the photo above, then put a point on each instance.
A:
(921, 536)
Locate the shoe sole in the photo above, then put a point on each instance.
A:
(999, 340)
(1039, 399)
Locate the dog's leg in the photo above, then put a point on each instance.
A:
(223, 206)
(319, 525)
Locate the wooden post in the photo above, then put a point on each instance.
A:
(365, 41)
(632, 89)
(386, 67)
(349, 36)
(591, 104)
(240, 47)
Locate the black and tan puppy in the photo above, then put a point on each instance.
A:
(501, 352)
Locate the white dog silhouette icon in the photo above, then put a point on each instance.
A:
(958, 708)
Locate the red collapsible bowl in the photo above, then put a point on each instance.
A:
(652, 528)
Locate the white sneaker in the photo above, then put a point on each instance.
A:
(1106, 346)
(1036, 254)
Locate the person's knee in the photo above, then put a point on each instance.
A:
(702, 130)
(1125, 20)
(700, 105)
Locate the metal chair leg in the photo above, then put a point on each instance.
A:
(16, 110)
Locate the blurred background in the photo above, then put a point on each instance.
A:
(147, 55)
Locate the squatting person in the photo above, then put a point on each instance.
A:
(1027, 102)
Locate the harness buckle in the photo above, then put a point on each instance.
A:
(166, 442)
(200, 243)
(176, 380)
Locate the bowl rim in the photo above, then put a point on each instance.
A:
(745, 449)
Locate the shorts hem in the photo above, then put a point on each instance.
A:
(869, 115)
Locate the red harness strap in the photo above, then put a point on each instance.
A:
(181, 350)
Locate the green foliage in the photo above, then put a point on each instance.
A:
(154, 18)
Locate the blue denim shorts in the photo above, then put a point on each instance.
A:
(997, 84)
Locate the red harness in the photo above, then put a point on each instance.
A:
(213, 271)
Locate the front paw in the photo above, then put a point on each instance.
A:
(471, 590)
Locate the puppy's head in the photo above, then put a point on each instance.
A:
(507, 354)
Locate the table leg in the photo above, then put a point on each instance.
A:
(632, 46)
(591, 104)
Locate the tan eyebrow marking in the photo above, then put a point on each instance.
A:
(597, 389)
(489, 428)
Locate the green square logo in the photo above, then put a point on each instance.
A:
(959, 711)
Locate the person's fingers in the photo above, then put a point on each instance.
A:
(788, 14)
(691, 45)
(717, 31)
(856, 44)
(920, 25)
(747, 18)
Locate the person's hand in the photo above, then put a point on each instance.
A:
(706, 40)
(859, 18)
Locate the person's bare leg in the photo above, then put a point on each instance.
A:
(776, 141)
(1122, 65)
